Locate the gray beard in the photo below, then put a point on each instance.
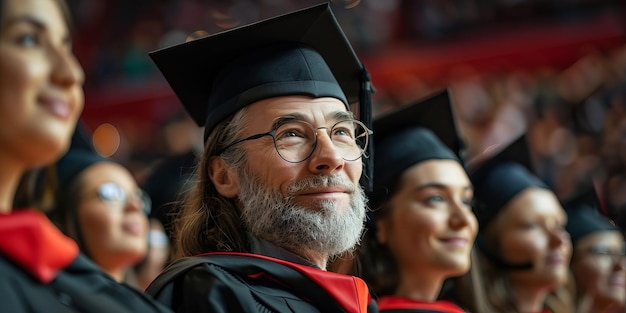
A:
(324, 228)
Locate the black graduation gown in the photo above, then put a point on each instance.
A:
(41, 270)
(242, 282)
(394, 304)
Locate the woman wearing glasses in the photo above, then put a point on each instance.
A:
(100, 206)
(599, 261)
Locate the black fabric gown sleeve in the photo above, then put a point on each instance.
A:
(81, 287)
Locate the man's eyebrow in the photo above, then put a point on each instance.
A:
(342, 115)
(337, 116)
(286, 119)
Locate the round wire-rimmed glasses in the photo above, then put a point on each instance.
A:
(295, 140)
(117, 197)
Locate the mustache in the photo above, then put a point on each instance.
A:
(312, 182)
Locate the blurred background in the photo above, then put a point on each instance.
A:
(555, 69)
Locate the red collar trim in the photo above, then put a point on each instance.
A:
(30, 240)
(343, 288)
(401, 303)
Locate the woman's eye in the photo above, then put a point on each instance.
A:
(434, 199)
(530, 225)
(28, 40)
(468, 201)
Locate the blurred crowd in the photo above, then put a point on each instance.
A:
(571, 108)
(538, 104)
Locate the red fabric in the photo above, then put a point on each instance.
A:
(401, 303)
(344, 289)
(30, 240)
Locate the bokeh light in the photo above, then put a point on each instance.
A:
(106, 139)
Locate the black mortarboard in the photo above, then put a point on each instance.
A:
(166, 184)
(300, 53)
(496, 181)
(81, 138)
(422, 131)
(80, 156)
(584, 217)
(500, 178)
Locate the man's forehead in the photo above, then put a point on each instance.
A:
(334, 115)
(327, 118)
(299, 106)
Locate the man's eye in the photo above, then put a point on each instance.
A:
(290, 134)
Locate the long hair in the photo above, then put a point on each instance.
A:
(36, 189)
(208, 221)
(64, 212)
(468, 290)
(374, 261)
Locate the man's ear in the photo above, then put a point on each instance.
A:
(224, 178)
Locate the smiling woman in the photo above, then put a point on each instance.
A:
(41, 99)
(423, 228)
(40, 88)
(524, 250)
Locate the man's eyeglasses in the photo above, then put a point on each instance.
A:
(117, 197)
(296, 140)
(606, 253)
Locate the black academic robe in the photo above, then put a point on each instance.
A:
(41, 270)
(394, 304)
(242, 282)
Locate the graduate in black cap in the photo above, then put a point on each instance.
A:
(278, 186)
(599, 260)
(423, 227)
(41, 98)
(100, 206)
(523, 248)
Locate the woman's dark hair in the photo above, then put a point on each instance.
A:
(64, 212)
(374, 262)
(36, 189)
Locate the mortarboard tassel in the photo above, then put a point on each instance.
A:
(365, 115)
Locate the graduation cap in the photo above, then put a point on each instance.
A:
(496, 181)
(166, 183)
(300, 53)
(79, 157)
(81, 138)
(422, 131)
(584, 217)
(500, 178)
